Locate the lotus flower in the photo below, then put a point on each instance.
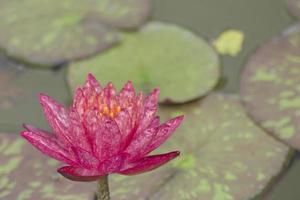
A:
(103, 132)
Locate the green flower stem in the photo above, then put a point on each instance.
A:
(103, 189)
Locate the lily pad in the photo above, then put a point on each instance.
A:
(161, 55)
(26, 174)
(225, 156)
(230, 42)
(270, 86)
(294, 7)
(55, 32)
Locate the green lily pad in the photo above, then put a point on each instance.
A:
(270, 86)
(27, 174)
(230, 42)
(224, 156)
(294, 7)
(55, 32)
(161, 55)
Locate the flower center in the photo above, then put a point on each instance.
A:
(108, 108)
(112, 111)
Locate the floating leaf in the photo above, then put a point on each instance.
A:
(225, 156)
(294, 7)
(27, 174)
(270, 86)
(183, 65)
(51, 32)
(230, 42)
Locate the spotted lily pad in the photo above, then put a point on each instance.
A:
(27, 174)
(161, 55)
(56, 31)
(294, 7)
(270, 86)
(225, 156)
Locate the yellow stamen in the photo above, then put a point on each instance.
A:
(111, 114)
(105, 110)
(111, 111)
(117, 109)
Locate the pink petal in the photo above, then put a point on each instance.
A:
(92, 83)
(150, 109)
(127, 95)
(155, 122)
(57, 117)
(47, 144)
(164, 132)
(85, 158)
(113, 164)
(150, 163)
(79, 102)
(126, 126)
(79, 134)
(79, 174)
(138, 144)
(108, 95)
(106, 136)
(86, 97)
(151, 138)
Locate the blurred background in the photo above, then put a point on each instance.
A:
(232, 67)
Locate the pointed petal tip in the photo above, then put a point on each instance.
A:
(109, 85)
(45, 99)
(156, 91)
(180, 118)
(91, 78)
(92, 82)
(129, 84)
(177, 153)
(42, 97)
(24, 134)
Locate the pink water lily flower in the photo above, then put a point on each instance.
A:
(103, 132)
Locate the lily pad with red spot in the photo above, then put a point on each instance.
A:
(270, 86)
(294, 7)
(26, 174)
(224, 155)
(167, 56)
(55, 32)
